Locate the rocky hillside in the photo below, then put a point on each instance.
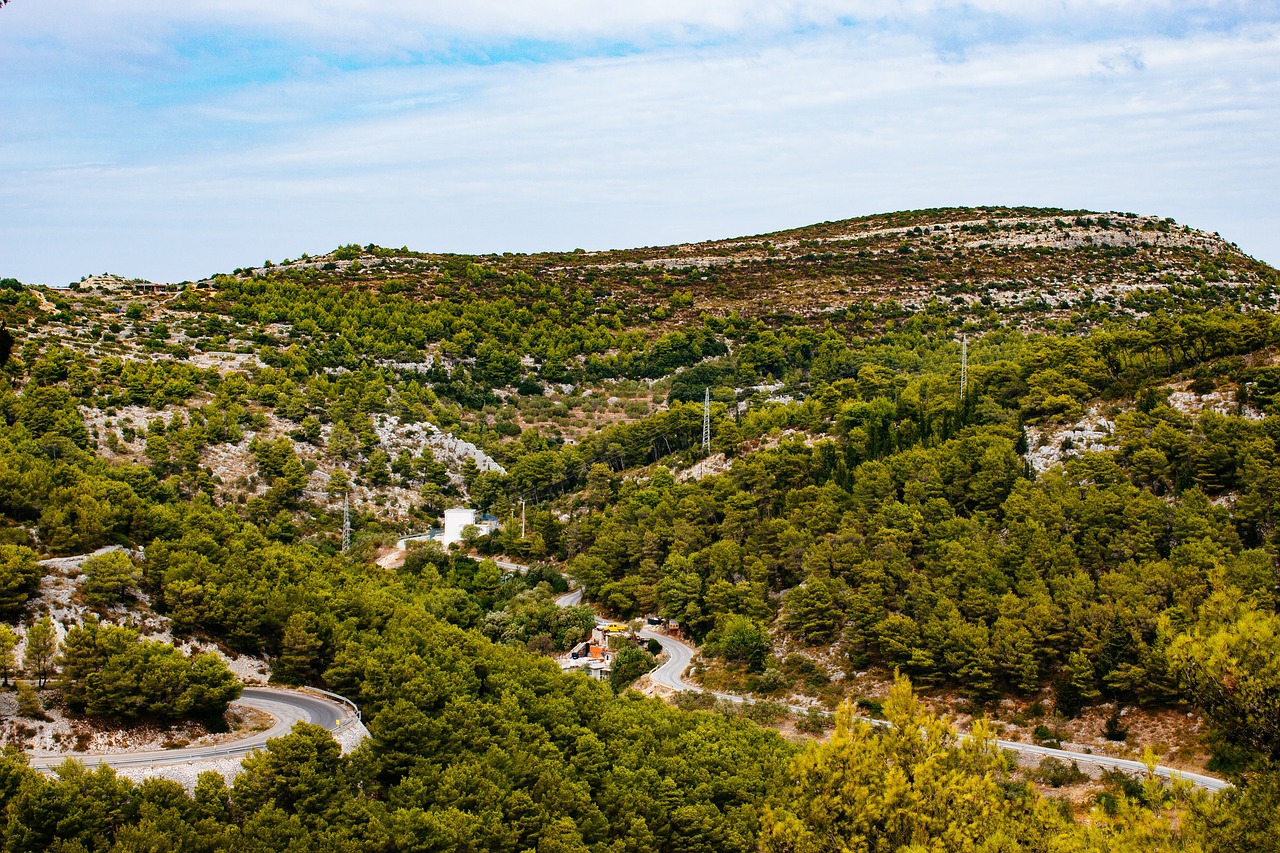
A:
(413, 376)
(1038, 264)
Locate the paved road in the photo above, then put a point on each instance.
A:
(571, 598)
(679, 655)
(285, 706)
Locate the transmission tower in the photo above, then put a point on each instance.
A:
(706, 420)
(964, 364)
(346, 523)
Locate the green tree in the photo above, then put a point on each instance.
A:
(1077, 684)
(299, 661)
(109, 577)
(108, 671)
(8, 641)
(813, 612)
(629, 664)
(41, 650)
(300, 773)
(339, 483)
(158, 450)
(740, 639)
(19, 576)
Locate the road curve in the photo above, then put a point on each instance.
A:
(286, 707)
(572, 598)
(679, 655)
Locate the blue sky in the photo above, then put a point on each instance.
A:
(174, 140)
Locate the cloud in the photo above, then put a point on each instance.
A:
(382, 27)
(207, 169)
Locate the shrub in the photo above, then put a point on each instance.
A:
(873, 707)
(1056, 772)
(814, 721)
(29, 702)
(1114, 731)
(1046, 736)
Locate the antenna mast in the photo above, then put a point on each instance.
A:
(964, 364)
(706, 419)
(346, 522)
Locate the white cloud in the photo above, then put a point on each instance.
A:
(663, 146)
(382, 26)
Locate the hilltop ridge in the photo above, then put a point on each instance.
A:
(1010, 260)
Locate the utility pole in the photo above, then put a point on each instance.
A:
(964, 364)
(346, 522)
(706, 420)
(522, 518)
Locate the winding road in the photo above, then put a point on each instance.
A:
(286, 707)
(679, 655)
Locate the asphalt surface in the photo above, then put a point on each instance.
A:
(285, 706)
(679, 655)
(571, 598)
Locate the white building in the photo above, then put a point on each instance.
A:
(456, 521)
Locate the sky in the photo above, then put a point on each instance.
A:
(171, 141)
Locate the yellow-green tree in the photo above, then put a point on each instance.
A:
(915, 787)
(8, 640)
(910, 785)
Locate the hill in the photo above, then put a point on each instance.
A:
(1070, 528)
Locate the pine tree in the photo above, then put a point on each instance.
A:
(8, 641)
(109, 577)
(42, 649)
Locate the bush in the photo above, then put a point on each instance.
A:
(1056, 772)
(1114, 731)
(814, 721)
(694, 700)
(29, 702)
(874, 708)
(771, 680)
(765, 713)
(1046, 736)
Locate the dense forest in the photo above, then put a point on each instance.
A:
(1079, 511)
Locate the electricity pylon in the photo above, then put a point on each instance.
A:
(346, 522)
(706, 420)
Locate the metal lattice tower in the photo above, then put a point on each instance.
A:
(964, 364)
(706, 420)
(346, 524)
